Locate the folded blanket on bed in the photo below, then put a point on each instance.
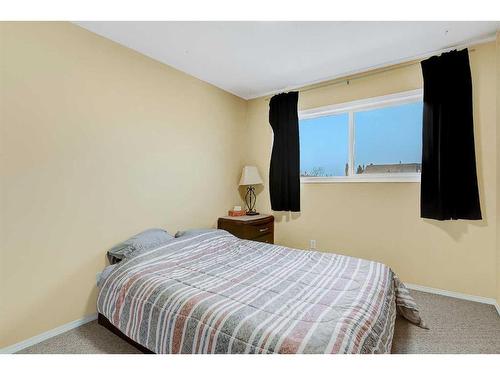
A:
(214, 293)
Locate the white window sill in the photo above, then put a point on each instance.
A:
(397, 177)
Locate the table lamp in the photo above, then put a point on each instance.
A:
(249, 177)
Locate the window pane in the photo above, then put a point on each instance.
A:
(324, 146)
(389, 140)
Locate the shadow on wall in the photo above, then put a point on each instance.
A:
(456, 229)
(285, 216)
(94, 292)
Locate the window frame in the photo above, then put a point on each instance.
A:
(377, 102)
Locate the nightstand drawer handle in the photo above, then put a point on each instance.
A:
(263, 229)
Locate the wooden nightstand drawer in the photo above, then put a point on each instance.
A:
(259, 229)
(256, 228)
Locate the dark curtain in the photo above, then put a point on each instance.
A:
(284, 172)
(449, 181)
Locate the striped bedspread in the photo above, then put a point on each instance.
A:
(214, 293)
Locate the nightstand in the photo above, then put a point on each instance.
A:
(256, 228)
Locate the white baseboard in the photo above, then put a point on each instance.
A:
(47, 335)
(447, 293)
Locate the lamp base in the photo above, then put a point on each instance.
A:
(250, 201)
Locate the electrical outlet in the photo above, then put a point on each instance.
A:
(312, 244)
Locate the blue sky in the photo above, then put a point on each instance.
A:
(382, 136)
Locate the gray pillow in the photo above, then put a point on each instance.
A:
(147, 240)
(193, 232)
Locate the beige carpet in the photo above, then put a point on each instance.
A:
(456, 326)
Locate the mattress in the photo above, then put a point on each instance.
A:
(215, 293)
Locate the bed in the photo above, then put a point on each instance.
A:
(211, 292)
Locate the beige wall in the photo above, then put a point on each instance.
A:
(97, 143)
(381, 221)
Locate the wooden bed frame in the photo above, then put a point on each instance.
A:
(103, 321)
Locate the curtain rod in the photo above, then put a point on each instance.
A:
(378, 69)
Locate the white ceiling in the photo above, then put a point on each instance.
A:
(252, 59)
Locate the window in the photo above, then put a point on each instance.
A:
(377, 139)
(324, 145)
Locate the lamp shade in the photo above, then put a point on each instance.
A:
(250, 176)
